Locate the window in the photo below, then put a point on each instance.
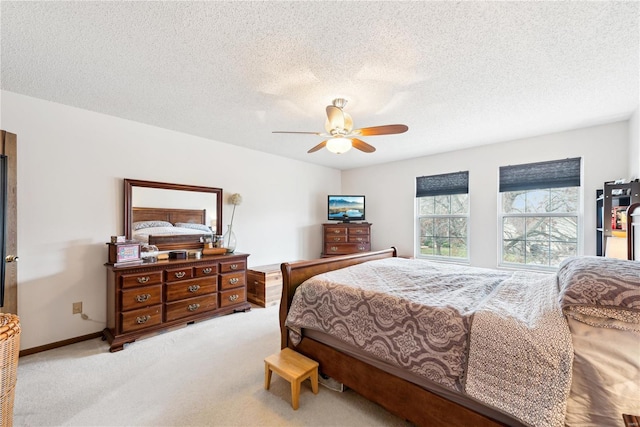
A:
(539, 215)
(442, 213)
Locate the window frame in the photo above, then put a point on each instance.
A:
(443, 185)
(578, 213)
(419, 237)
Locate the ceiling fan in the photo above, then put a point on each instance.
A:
(342, 136)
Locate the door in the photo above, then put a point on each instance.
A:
(9, 150)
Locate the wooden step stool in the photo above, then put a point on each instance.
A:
(293, 367)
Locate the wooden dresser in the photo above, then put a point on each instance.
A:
(149, 298)
(345, 238)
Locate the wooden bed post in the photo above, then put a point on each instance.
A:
(631, 231)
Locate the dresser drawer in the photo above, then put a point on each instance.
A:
(141, 297)
(358, 231)
(232, 280)
(141, 279)
(191, 288)
(179, 274)
(190, 306)
(335, 231)
(141, 319)
(346, 248)
(206, 270)
(231, 266)
(363, 238)
(233, 296)
(335, 238)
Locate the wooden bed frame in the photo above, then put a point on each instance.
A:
(398, 396)
(185, 241)
(632, 230)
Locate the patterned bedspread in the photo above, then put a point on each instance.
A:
(423, 316)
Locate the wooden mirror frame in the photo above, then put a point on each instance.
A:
(130, 184)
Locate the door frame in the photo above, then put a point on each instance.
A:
(8, 147)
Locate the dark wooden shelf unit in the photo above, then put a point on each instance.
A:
(609, 199)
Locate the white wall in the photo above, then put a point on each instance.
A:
(71, 165)
(634, 145)
(390, 188)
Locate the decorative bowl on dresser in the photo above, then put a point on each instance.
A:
(149, 298)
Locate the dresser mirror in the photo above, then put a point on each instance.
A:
(177, 216)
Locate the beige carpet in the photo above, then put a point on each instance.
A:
(207, 374)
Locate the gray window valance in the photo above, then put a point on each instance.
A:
(531, 176)
(443, 184)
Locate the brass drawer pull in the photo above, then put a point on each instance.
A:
(334, 248)
(336, 239)
(359, 239)
(234, 280)
(143, 297)
(142, 319)
(193, 307)
(336, 231)
(358, 231)
(180, 274)
(143, 279)
(361, 248)
(233, 266)
(233, 297)
(194, 288)
(207, 270)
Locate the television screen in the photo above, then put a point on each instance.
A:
(345, 208)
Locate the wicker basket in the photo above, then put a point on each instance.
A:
(9, 350)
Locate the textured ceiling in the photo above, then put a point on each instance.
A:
(458, 74)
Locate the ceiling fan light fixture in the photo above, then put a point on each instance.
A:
(339, 145)
(342, 136)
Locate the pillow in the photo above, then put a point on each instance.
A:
(138, 225)
(601, 292)
(194, 226)
(606, 375)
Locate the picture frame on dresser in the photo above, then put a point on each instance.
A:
(122, 253)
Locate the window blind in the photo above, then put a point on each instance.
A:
(443, 184)
(531, 176)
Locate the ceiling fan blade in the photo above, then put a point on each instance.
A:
(362, 146)
(335, 116)
(306, 133)
(381, 130)
(317, 147)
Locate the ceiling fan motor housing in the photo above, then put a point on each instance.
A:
(339, 102)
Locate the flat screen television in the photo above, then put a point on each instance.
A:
(345, 208)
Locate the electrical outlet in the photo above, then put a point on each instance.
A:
(77, 307)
